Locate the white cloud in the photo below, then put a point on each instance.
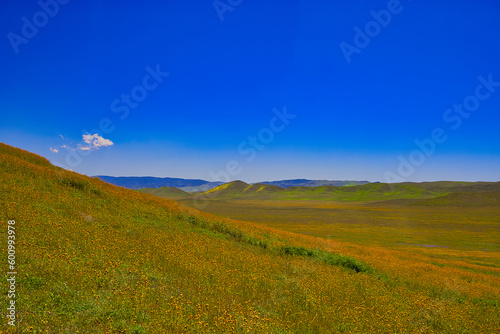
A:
(89, 143)
(94, 142)
(60, 135)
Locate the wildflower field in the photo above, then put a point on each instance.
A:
(96, 258)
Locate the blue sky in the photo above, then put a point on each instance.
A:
(255, 90)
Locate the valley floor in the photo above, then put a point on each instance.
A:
(469, 234)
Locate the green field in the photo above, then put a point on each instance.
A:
(471, 234)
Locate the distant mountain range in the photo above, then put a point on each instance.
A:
(138, 182)
(196, 185)
(445, 193)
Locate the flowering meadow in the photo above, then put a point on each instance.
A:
(96, 258)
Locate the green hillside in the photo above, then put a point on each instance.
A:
(462, 198)
(261, 188)
(229, 189)
(166, 192)
(451, 186)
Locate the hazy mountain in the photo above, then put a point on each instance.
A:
(138, 182)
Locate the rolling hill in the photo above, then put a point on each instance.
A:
(464, 199)
(312, 183)
(261, 188)
(452, 186)
(367, 192)
(92, 257)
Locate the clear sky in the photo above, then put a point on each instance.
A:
(255, 90)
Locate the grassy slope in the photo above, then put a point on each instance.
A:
(462, 198)
(95, 258)
(451, 186)
(166, 192)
